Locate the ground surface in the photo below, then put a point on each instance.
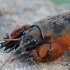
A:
(15, 13)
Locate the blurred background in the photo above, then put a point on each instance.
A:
(16, 13)
(59, 2)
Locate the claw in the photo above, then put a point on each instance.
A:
(10, 49)
(9, 45)
(2, 44)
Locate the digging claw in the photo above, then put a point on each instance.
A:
(2, 44)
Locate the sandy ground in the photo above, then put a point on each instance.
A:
(14, 14)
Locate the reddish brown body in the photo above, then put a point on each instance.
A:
(47, 52)
(59, 41)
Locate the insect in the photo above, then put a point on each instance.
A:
(46, 40)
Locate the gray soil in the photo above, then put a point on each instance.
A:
(14, 14)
